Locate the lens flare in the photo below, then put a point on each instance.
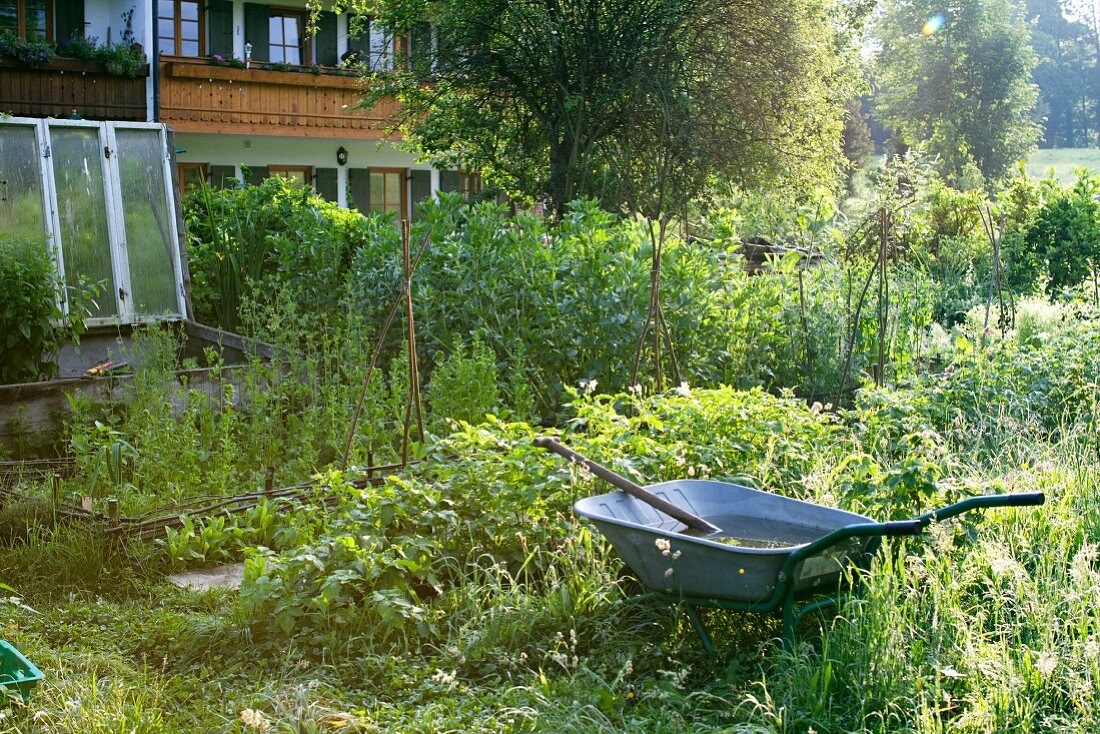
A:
(933, 24)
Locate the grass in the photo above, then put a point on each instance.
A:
(1063, 161)
(988, 625)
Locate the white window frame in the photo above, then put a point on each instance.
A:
(116, 225)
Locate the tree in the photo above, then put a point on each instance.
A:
(1063, 73)
(962, 88)
(557, 99)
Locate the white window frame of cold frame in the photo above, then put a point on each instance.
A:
(115, 216)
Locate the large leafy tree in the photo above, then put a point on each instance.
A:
(957, 78)
(642, 103)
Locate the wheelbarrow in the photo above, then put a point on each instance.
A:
(698, 543)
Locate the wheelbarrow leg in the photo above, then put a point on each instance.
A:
(700, 629)
(789, 622)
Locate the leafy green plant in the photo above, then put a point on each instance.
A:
(32, 323)
(464, 386)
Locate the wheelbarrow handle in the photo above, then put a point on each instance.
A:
(694, 522)
(1025, 499)
(902, 527)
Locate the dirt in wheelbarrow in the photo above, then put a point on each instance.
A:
(743, 532)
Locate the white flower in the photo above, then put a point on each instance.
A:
(668, 573)
(254, 719)
(683, 390)
(662, 544)
(675, 555)
(1046, 663)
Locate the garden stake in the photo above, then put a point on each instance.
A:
(378, 351)
(414, 372)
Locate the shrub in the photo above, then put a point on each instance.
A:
(32, 325)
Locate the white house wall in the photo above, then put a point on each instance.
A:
(234, 150)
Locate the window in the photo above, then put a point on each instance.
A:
(469, 183)
(373, 46)
(301, 174)
(192, 175)
(27, 19)
(285, 35)
(180, 27)
(387, 191)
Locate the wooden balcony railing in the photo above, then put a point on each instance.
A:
(197, 97)
(67, 86)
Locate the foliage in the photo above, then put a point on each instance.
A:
(32, 54)
(119, 59)
(962, 87)
(580, 101)
(1064, 234)
(32, 323)
(464, 385)
(256, 243)
(501, 277)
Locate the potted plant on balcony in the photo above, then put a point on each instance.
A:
(33, 54)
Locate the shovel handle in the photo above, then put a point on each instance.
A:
(634, 490)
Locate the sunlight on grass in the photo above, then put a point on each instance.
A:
(1063, 161)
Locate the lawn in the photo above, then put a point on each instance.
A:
(1063, 161)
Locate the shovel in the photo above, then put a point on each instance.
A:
(701, 527)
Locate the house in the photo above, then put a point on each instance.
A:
(247, 90)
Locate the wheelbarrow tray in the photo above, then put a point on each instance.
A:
(719, 569)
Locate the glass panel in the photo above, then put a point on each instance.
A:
(166, 27)
(82, 211)
(290, 23)
(9, 16)
(381, 48)
(166, 9)
(189, 11)
(189, 30)
(275, 29)
(168, 46)
(293, 55)
(393, 192)
(36, 19)
(377, 192)
(21, 213)
(189, 48)
(148, 219)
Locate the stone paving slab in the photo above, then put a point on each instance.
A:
(221, 577)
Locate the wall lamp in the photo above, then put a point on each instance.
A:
(341, 156)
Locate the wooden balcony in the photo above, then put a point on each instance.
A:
(196, 97)
(68, 85)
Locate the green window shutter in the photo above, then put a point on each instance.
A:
(324, 181)
(256, 175)
(219, 21)
(359, 181)
(420, 49)
(222, 176)
(256, 31)
(326, 39)
(68, 20)
(450, 181)
(420, 185)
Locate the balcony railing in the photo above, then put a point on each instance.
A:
(67, 87)
(196, 96)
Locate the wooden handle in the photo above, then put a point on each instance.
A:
(634, 490)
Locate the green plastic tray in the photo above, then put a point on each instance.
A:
(17, 674)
